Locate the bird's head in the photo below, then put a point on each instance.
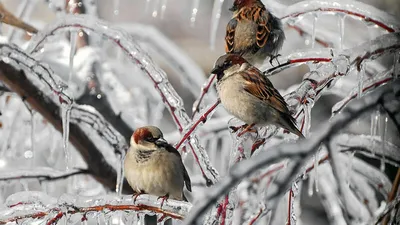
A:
(149, 137)
(229, 64)
(238, 4)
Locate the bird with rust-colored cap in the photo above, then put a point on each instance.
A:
(152, 166)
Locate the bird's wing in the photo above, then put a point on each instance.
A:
(186, 177)
(261, 17)
(230, 35)
(260, 87)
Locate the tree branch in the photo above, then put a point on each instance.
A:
(42, 174)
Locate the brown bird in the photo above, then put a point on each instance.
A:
(253, 32)
(153, 166)
(248, 95)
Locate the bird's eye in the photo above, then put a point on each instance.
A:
(150, 139)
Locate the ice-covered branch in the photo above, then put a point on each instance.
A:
(41, 174)
(32, 205)
(128, 45)
(19, 83)
(297, 152)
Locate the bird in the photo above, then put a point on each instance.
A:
(253, 32)
(250, 96)
(153, 166)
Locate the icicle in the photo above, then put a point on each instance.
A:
(32, 133)
(396, 67)
(155, 10)
(312, 180)
(66, 112)
(361, 74)
(163, 8)
(342, 18)
(374, 126)
(116, 7)
(120, 176)
(146, 9)
(294, 192)
(216, 14)
(383, 141)
(316, 161)
(350, 168)
(315, 19)
(195, 9)
(73, 39)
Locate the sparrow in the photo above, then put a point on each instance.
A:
(152, 166)
(248, 95)
(253, 32)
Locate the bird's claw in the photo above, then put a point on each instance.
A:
(276, 58)
(163, 198)
(135, 196)
(248, 128)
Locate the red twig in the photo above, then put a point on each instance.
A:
(374, 85)
(302, 32)
(364, 17)
(202, 119)
(84, 210)
(204, 91)
(224, 206)
(289, 207)
(256, 217)
(290, 62)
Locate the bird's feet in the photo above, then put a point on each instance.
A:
(244, 126)
(163, 198)
(248, 128)
(272, 59)
(136, 195)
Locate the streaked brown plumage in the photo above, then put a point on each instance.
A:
(248, 95)
(253, 32)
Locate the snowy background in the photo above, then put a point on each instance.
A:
(147, 62)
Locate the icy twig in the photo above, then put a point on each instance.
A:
(389, 207)
(128, 45)
(298, 152)
(193, 126)
(19, 83)
(204, 91)
(392, 196)
(368, 86)
(351, 8)
(52, 213)
(41, 174)
(302, 33)
(10, 19)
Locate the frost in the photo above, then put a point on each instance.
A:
(82, 101)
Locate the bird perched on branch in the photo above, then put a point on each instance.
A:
(253, 32)
(247, 94)
(152, 166)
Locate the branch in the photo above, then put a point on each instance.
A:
(42, 174)
(20, 84)
(392, 196)
(10, 19)
(298, 152)
(53, 213)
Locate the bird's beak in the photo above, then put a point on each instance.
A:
(216, 70)
(233, 8)
(161, 142)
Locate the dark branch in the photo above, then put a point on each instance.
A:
(43, 177)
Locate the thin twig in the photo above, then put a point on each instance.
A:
(41, 177)
(392, 195)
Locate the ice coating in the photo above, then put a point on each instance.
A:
(169, 96)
